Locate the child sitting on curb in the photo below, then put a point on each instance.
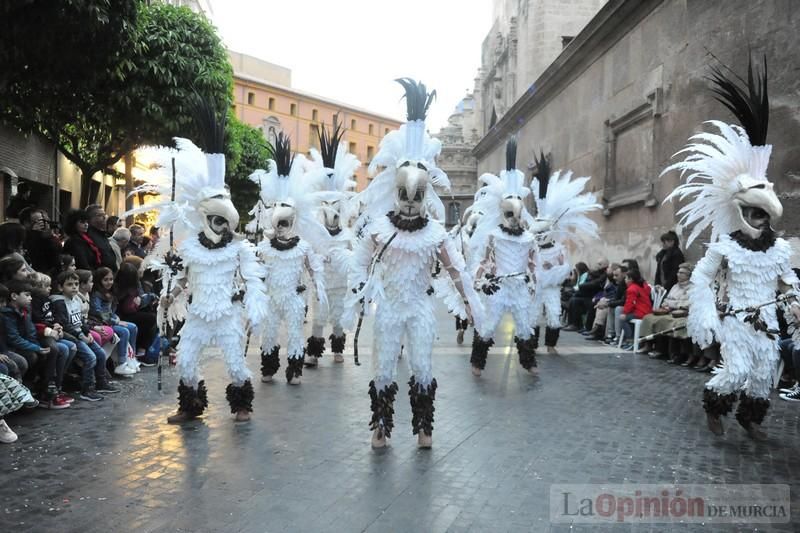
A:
(67, 311)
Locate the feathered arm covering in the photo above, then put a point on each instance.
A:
(256, 301)
(704, 322)
(458, 287)
(360, 259)
(316, 268)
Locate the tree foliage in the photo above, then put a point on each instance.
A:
(141, 92)
(246, 150)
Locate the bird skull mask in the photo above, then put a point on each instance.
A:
(511, 209)
(283, 218)
(410, 184)
(331, 215)
(758, 206)
(220, 217)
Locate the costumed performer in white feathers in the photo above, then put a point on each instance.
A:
(291, 226)
(561, 209)
(332, 169)
(392, 266)
(461, 235)
(504, 251)
(729, 191)
(215, 262)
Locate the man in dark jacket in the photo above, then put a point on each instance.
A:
(581, 301)
(668, 259)
(40, 244)
(97, 232)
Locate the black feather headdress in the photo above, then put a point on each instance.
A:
(283, 156)
(543, 172)
(418, 99)
(511, 153)
(328, 144)
(210, 125)
(747, 99)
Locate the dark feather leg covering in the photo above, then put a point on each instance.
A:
(192, 401)
(751, 410)
(527, 352)
(270, 362)
(382, 405)
(338, 343)
(535, 337)
(294, 367)
(240, 398)
(551, 336)
(315, 346)
(718, 404)
(480, 350)
(422, 408)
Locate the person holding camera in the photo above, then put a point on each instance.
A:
(41, 245)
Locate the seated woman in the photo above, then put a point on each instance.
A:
(670, 319)
(637, 305)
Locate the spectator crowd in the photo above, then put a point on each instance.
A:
(77, 310)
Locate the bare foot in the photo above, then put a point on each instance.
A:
(378, 439)
(338, 358)
(476, 371)
(242, 416)
(424, 440)
(266, 379)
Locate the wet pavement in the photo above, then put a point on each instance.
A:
(304, 462)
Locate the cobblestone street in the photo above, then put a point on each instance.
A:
(304, 462)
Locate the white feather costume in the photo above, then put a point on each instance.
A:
(729, 191)
(720, 168)
(505, 257)
(336, 216)
(561, 217)
(286, 261)
(213, 274)
(394, 259)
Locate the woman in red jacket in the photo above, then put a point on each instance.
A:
(637, 304)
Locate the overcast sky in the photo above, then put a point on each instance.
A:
(351, 50)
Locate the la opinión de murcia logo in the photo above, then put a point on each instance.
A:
(670, 503)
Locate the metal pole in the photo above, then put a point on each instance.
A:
(173, 272)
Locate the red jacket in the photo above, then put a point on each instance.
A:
(637, 300)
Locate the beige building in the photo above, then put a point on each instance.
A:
(263, 97)
(626, 93)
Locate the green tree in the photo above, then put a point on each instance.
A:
(144, 95)
(246, 150)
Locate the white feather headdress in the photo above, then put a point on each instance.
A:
(198, 176)
(565, 207)
(410, 143)
(284, 183)
(722, 165)
(716, 164)
(333, 170)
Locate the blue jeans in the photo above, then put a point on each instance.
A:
(94, 363)
(627, 327)
(63, 364)
(790, 353)
(127, 335)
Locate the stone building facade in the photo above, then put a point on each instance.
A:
(628, 91)
(458, 138)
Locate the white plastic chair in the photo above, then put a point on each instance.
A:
(637, 327)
